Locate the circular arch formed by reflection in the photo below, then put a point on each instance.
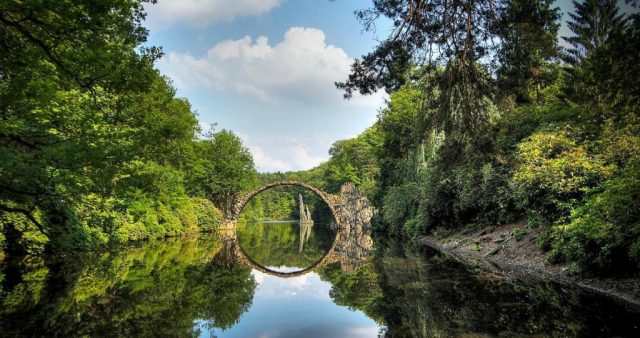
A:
(329, 256)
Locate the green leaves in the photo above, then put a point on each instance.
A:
(95, 145)
(222, 169)
(488, 136)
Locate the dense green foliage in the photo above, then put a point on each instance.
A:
(281, 203)
(159, 288)
(221, 170)
(354, 160)
(488, 121)
(486, 135)
(95, 145)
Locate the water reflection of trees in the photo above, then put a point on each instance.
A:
(172, 287)
(414, 292)
(272, 245)
(297, 244)
(157, 289)
(279, 244)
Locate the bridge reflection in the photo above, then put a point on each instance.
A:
(351, 248)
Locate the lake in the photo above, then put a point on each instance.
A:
(197, 286)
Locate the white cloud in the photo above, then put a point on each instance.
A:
(265, 163)
(363, 331)
(299, 71)
(200, 13)
(258, 276)
(308, 285)
(302, 159)
(295, 154)
(281, 93)
(262, 161)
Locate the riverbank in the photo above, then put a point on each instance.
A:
(511, 250)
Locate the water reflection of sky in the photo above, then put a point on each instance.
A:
(297, 307)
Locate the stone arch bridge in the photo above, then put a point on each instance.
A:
(333, 201)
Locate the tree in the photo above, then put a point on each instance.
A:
(593, 24)
(455, 41)
(425, 32)
(617, 65)
(228, 170)
(596, 24)
(530, 30)
(355, 160)
(95, 144)
(62, 66)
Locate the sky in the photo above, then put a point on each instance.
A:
(265, 69)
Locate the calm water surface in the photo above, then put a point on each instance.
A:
(206, 286)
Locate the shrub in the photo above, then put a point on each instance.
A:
(209, 217)
(553, 175)
(603, 233)
(518, 234)
(413, 226)
(399, 203)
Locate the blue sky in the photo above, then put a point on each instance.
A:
(265, 69)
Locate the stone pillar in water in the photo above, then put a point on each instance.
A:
(305, 215)
(306, 222)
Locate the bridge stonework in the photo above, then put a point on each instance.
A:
(331, 200)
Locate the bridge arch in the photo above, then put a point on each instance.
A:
(329, 199)
(328, 258)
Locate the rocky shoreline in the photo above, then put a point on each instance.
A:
(511, 250)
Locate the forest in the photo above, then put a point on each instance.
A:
(96, 147)
(492, 118)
